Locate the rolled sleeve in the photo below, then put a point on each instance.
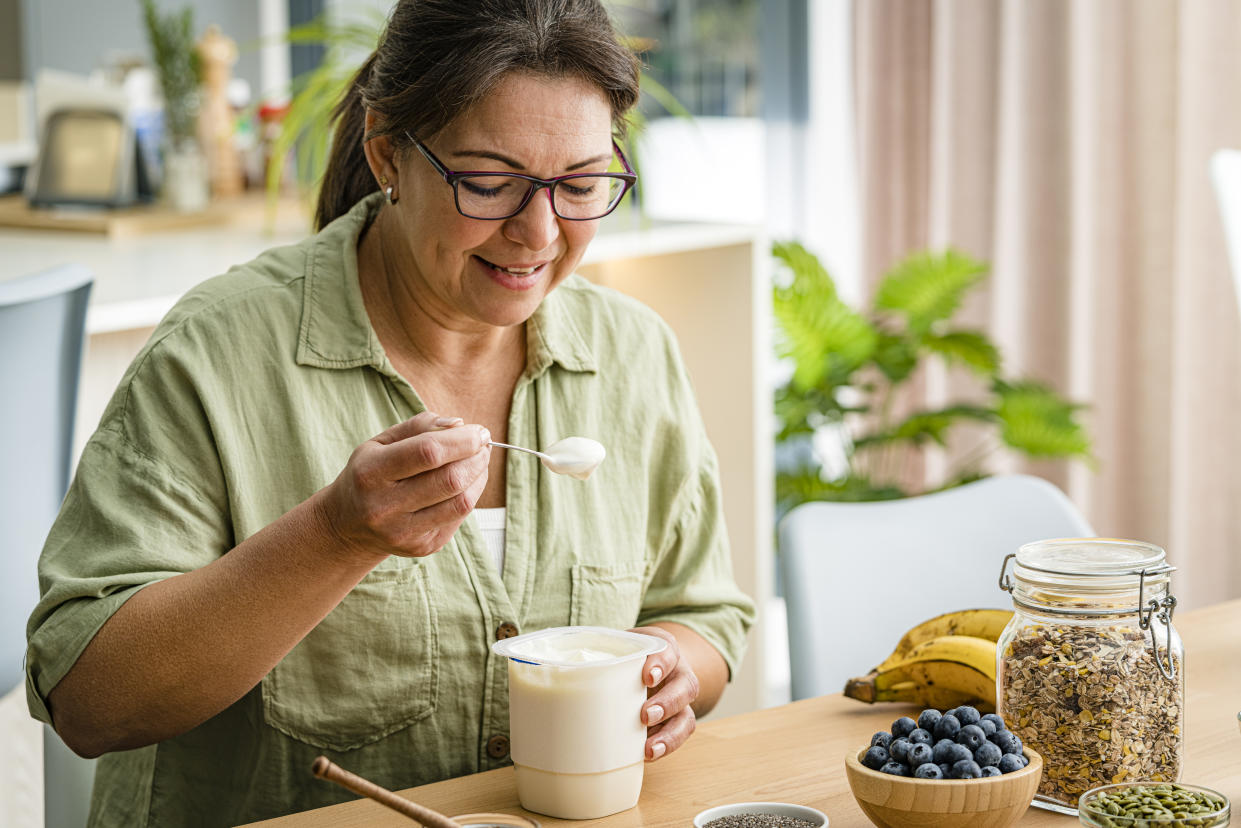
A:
(126, 522)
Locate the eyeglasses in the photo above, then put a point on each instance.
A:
(493, 196)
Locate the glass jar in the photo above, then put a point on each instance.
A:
(1090, 671)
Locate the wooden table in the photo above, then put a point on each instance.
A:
(795, 753)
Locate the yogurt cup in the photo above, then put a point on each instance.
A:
(575, 726)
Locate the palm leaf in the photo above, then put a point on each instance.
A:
(821, 334)
(307, 126)
(923, 426)
(895, 355)
(1036, 420)
(801, 412)
(927, 288)
(829, 343)
(970, 348)
(804, 485)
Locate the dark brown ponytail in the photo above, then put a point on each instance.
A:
(348, 178)
(438, 57)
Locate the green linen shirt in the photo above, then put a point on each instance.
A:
(250, 396)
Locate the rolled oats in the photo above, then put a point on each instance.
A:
(1092, 701)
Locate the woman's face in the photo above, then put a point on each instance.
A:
(497, 272)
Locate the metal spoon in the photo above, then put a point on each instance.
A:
(574, 456)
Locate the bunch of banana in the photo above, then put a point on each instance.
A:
(943, 663)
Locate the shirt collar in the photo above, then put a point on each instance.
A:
(553, 335)
(337, 333)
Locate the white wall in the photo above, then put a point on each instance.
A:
(80, 35)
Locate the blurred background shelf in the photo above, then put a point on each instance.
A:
(116, 223)
(132, 221)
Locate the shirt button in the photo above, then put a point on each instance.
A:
(505, 630)
(497, 746)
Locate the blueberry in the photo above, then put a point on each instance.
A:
(1010, 762)
(947, 727)
(971, 736)
(876, 757)
(987, 726)
(995, 719)
(990, 770)
(919, 754)
(903, 727)
(929, 771)
(988, 754)
(883, 738)
(945, 769)
(894, 768)
(899, 749)
(966, 769)
(967, 715)
(1006, 741)
(921, 736)
(958, 753)
(928, 718)
(941, 749)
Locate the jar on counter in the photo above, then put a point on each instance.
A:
(1090, 670)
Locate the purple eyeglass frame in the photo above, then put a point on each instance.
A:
(629, 177)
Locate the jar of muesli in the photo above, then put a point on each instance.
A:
(1090, 671)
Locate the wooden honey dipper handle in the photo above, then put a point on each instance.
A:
(324, 769)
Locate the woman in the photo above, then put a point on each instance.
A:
(268, 551)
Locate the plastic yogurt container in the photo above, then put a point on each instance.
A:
(575, 726)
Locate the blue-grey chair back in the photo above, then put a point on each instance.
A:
(42, 327)
(42, 331)
(856, 576)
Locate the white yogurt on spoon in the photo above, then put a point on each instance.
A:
(574, 456)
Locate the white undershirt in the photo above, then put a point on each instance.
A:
(491, 522)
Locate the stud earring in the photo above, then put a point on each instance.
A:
(383, 181)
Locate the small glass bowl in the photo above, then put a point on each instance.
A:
(1098, 819)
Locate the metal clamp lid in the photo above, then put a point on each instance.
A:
(1144, 609)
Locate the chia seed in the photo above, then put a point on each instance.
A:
(759, 821)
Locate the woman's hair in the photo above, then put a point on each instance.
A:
(437, 58)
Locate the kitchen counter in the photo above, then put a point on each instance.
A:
(795, 753)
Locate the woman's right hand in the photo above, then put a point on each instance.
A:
(405, 491)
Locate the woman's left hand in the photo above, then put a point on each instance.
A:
(667, 714)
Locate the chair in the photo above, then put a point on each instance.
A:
(1226, 175)
(856, 576)
(42, 328)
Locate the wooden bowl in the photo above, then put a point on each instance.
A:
(905, 802)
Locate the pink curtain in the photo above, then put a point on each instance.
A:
(1066, 143)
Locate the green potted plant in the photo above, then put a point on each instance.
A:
(305, 132)
(174, 52)
(852, 370)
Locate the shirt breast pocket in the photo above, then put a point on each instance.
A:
(606, 595)
(369, 669)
